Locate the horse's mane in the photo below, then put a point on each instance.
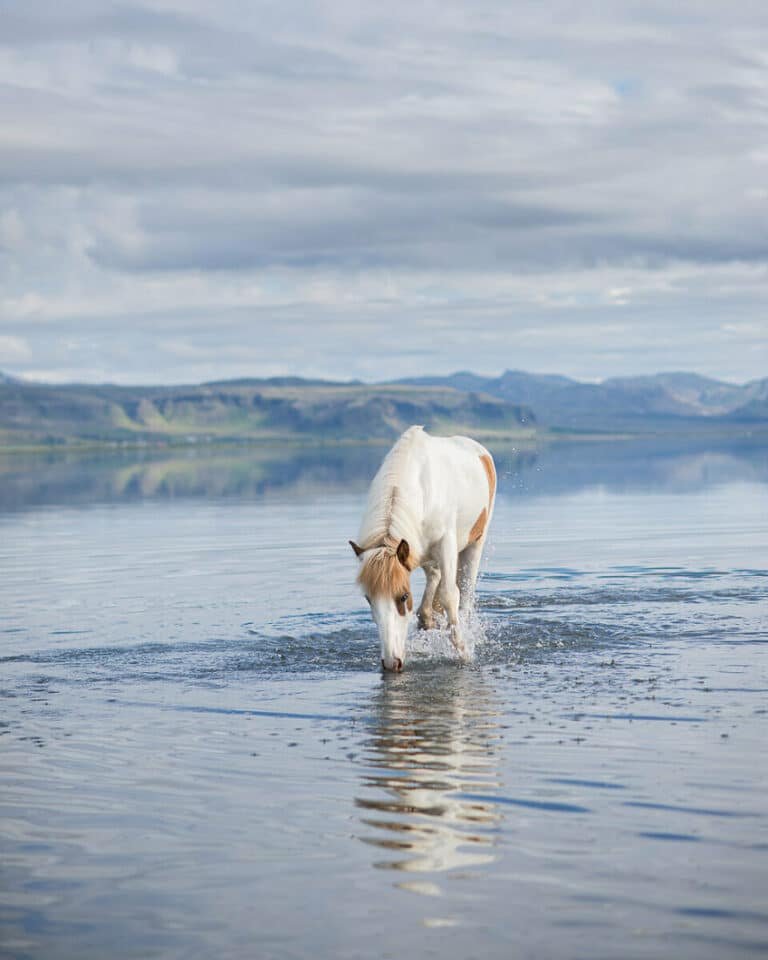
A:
(382, 572)
(388, 520)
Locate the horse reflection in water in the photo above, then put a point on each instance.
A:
(433, 741)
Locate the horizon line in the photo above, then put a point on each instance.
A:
(357, 381)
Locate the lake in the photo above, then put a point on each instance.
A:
(200, 758)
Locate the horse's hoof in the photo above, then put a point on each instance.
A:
(397, 665)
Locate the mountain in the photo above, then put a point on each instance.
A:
(247, 409)
(756, 406)
(463, 380)
(510, 406)
(655, 403)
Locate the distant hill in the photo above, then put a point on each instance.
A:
(662, 402)
(510, 406)
(247, 409)
(756, 407)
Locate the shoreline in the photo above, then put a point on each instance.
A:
(528, 438)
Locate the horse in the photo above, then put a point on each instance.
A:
(430, 506)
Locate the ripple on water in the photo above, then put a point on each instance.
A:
(511, 626)
(188, 771)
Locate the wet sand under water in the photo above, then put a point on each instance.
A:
(199, 757)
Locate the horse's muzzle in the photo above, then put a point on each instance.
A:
(395, 664)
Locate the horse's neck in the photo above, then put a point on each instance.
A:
(394, 511)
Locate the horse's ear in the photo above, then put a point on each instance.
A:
(358, 550)
(403, 552)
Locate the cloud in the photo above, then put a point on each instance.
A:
(176, 172)
(13, 349)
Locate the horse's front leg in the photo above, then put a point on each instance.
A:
(425, 613)
(449, 592)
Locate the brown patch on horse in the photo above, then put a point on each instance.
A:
(479, 527)
(383, 572)
(490, 472)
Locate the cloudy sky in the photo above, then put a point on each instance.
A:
(193, 190)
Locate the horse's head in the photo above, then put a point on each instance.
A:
(385, 579)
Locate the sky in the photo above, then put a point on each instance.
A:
(350, 189)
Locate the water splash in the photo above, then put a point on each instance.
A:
(436, 644)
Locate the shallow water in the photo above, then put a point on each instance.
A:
(199, 757)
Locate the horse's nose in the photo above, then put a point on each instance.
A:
(395, 664)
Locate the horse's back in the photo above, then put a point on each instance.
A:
(469, 446)
(459, 481)
(460, 451)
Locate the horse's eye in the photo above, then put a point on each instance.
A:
(404, 598)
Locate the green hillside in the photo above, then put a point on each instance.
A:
(33, 414)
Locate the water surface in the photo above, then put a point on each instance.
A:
(199, 757)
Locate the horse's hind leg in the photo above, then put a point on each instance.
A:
(469, 566)
(428, 603)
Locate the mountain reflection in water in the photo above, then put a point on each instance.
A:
(271, 470)
(434, 739)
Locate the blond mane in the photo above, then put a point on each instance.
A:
(389, 519)
(382, 572)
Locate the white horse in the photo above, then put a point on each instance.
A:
(429, 506)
